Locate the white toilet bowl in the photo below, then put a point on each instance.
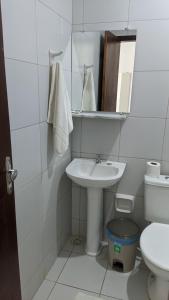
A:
(154, 245)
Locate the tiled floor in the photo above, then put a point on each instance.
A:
(74, 271)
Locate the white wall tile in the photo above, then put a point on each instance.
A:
(99, 11)
(63, 8)
(115, 25)
(101, 26)
(30, 254)
(165, 155)
(75, 201)
(132, 182)
(141, 10)
(65, 44)
(138, 214)
(96, 141)
(29, 290)
(109, 209)
(150, 94)
(65, 199)
(28, 208)
(76, 135)
(47, 151)
(142, 138)
(77, 11)
(83, 204)
(19, 27)
(49, 233)
(26, 153)
(150, 54)
(165, 167)
(68, 76)
(77, 27)
(50, 259)
(51, 181)
(22, 86)
(56, 205)
(49, 33)
(43, 74)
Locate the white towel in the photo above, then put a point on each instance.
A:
(89, 97)
(81, 296)
(59, 112)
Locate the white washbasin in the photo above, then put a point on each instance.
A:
(95, 177)
(88, 173)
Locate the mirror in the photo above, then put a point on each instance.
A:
(102, 70)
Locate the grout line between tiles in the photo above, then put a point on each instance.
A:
(30, 125)
(148, 20)
(103, 279)
(70, 253)
(79, 289)
(35, 63)
(122, 21)
(116, 155)
(113, 298)
(26, 126)
(51, 289)
(54, 11)
(103, 283)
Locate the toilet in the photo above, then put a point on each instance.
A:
(154, 241)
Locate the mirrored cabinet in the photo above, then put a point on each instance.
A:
(102, 72)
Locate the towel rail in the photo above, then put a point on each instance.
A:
(52, 54)
(88, 67)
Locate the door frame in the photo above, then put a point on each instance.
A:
(10, 288)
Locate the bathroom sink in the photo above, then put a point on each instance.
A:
(88, 173)
(95, 176)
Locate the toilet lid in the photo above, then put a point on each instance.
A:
(154, 243)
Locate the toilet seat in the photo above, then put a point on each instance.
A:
(154, 243)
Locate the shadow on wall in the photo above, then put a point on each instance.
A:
(50, 147)
(64, 206)
(57, 199)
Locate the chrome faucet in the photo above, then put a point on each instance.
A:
(98, 159)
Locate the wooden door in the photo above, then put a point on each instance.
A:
(110, 72)
(9, 266)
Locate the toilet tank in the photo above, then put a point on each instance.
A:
(156, 198)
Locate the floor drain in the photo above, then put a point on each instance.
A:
(76, 241)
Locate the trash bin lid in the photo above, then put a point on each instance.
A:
(124, 228)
